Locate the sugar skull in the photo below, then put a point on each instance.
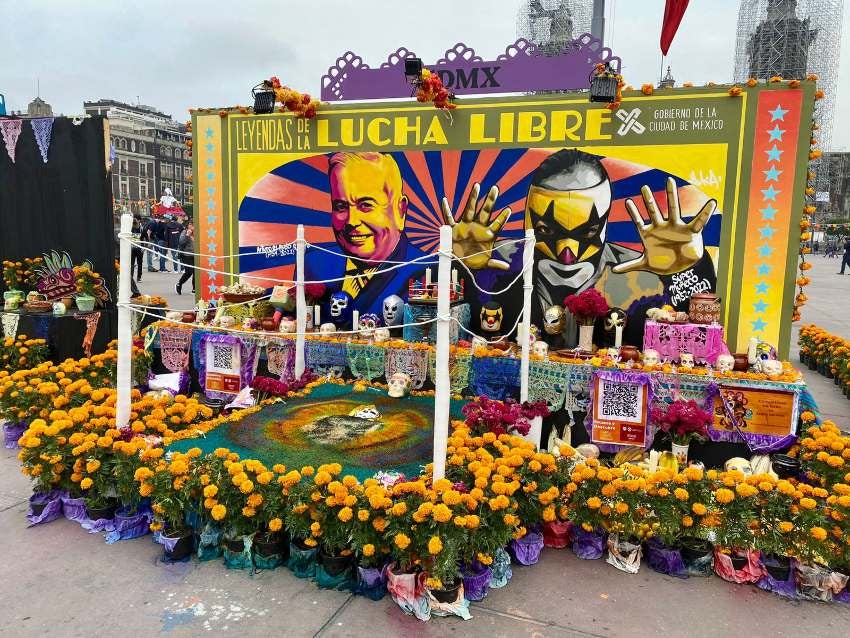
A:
(287, 325)
(327, 328)
(725, 363)
(340, 306)
(393, 310)
(686, 360)
(614, 318)
(771, 367)
(382, 334)
(520, 334)
(491, 317)
(227, 321)
(540, 348)
(650, 358)
(740, 464)
(553, 320)
(399, 385)
(368, 322)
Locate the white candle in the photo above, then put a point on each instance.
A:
(618, 336)
(454, 277)
(355, 319)
(316, 316)
(427, 277)
(751, 350)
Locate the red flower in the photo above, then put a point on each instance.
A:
(586, 305)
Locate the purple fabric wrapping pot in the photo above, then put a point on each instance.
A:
(52, 510)
(11, 433)
(129, 526)
(785, 588)
(664, 559)
(476, 581)
(371, 582)
(526, 550)
(74, 509)
(589, 545)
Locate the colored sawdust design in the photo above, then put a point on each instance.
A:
(334, 424)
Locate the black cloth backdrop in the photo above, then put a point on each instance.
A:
(63, 205)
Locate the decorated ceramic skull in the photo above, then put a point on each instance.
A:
(393, 310)
(725, 363)
(340, 304)
(540, 348)
(227, 321)
(650, 357)
(686, 360)
(614, 318)
(368, 323)
(399, 385)
(327, 328)
(287, 325)
(771, 367)
(740, 464)
(491, 316)
(553, 320)
(382, 334)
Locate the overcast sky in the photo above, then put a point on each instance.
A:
(177, 54)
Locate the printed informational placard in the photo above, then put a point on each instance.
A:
(619, 412)
(223, 367)
(755, 411)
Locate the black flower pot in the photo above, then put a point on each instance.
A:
(785, 466)
(693, 549)
(828, 372)
(448, 594)
(216, 405)
(273, 544)
(821, 368)
(739, 561)
(334, 565)
(184, 545)
(813, 365)
(37, 507)
(803, 358)
(235, 545)
(107, 512)
(836, 380)
(779, 567)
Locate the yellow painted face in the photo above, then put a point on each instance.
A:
(569, 225)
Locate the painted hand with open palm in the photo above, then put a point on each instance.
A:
(474, 234)
(669, 245)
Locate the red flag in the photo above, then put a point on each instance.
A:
(673, 12)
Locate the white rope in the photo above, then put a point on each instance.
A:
(141, 243)
(214, 306)
(525, 265)
(358, 259)
(500, 243)
(499, 340)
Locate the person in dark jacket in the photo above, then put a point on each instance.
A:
(136, 253)
(173, 229)
(845, 261)
(187, 258)
(148, 236)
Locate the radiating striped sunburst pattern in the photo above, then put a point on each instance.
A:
(298, 193)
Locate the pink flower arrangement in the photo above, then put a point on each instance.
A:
(266, 387)
(502, 417)
(586, 305)
(683, 421)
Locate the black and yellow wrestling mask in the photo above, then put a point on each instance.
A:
(567, 207)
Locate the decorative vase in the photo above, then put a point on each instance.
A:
(585, 338)
(742, 362)
(68, 302)
(85, 303)
(704, 307)
(681, 453)
(629, 353)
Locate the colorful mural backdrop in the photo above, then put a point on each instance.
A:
(670, 194)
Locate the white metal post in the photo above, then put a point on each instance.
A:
(527, 265)
(442, 384)
(300, 302)
(125, 332)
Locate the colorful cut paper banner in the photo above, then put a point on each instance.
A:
(10, 325)
(11, 130)
(42, 128)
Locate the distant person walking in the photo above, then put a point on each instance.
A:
(845, 261)
(136, 252)
(187, 258)
(147, 236)
(158, 234)
(173, 229)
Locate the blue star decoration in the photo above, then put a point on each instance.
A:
(778, 113)
(212, 261)
(765, 231)
(211, 219)
(212, 247)
(211, 189)
(209, 131)
(210, 175)
(210, 162)
(760, 306)
(763, 270)
(210, 147)
(211, 204)
(212, 288)
(772, 175)
(758, 325)
(768, 212)
(211, 232)
(765, 251)
(774, 154)
(762, 288)
(770, 193)
(776, 133)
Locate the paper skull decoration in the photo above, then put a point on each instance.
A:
(614, 318)
(540, 348)
(771, 367)
(393, 311)
(553, 320)
(327, 328)
(398, 385)
(532, 334)
(740, 464)
(650, 357)
(686, 360)
(382, 334)
(491, 317)
(341, 306)
(725, 363)
(368, 323)
(287, 325)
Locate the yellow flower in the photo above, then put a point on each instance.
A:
(345, 514)
(275, 525)
(724, 496)
(362, 515)
(399, 508)
(246, 487)
(435, 545)
(218, 512)
(681, 494)
(808, 503)
(86, 483)
(786, 526)
(818, 533)
(145, 489)
(210, 491)
(401, 541)
(368, 550)
(92, 466)
(699, 509)
(255, 500)
(442, 513)
(594, 502)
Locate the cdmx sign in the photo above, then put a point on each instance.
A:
(522, 68)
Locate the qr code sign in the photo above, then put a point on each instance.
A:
(223, 357)
(620, 401)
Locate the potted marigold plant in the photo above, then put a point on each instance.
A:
(369, 544)
(333, 509)
(737, 504)
(272, 541)
(582, 495)
(166, 485)
(683, 421)
(586, 306)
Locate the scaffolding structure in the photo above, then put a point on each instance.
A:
(793, 38)
(552, 24)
